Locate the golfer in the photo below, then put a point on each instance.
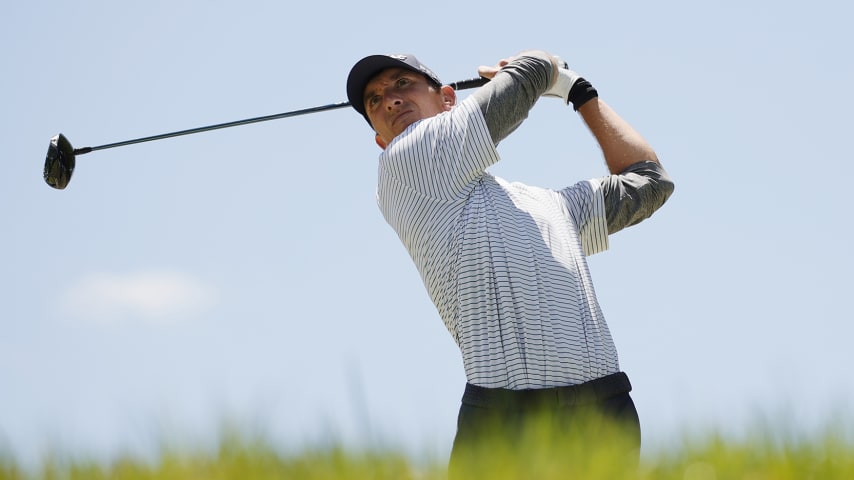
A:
(505, 263)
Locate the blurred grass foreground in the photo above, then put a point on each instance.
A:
(537, 454)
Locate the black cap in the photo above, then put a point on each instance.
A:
(365, 69)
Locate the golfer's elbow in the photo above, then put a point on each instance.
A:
(665, 187)
(660, 186)
(639, 192)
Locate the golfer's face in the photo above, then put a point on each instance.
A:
(396, 98)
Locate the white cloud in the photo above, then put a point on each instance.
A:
(156, 296)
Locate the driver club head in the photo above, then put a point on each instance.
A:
(59, 162)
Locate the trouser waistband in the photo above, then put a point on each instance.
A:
(588, 392)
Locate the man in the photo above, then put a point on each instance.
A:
(504, 263)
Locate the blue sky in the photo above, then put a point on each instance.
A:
(247, 274)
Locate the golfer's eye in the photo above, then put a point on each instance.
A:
(373, 101)
(403, 81)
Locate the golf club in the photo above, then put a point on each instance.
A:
(61, 155)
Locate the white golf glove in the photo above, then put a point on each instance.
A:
(566, 78)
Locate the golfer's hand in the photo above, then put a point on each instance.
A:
(566, 78)
(489, 72)
(558, 85)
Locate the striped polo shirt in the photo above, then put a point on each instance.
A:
(504, 263)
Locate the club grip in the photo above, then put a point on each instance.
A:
(470, 83)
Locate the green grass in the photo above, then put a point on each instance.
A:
(702, 457)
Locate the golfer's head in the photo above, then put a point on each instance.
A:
(394, 91)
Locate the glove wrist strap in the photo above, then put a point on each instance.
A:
(580, 93)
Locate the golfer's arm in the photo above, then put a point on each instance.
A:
(639, 185)
(506, 100)
(620, 143)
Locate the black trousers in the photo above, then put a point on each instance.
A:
(526, 421)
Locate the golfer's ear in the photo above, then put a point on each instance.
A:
(449, 96)
(380, 141)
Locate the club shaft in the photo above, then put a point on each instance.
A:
(461, 85)
(332, 106)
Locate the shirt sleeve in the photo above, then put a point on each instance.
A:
(585, 204)
(635, 194)
(506, 100)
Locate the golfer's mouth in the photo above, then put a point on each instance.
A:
(400, 118)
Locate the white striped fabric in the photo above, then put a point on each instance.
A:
(504, 263)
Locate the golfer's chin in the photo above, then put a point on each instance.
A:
(400, 124)
(404, 120)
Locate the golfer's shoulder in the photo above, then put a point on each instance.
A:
(465, 119)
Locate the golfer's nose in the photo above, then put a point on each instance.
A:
(392, 101)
